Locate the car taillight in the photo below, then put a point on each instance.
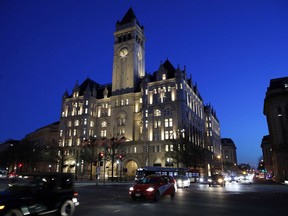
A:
(75, 194)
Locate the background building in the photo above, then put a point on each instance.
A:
(229, 156)
(276, 111)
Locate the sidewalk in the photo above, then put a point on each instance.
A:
(101, 183)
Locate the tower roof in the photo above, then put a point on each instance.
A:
(129, 17)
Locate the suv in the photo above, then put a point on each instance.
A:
(153, 187)
(39, 194)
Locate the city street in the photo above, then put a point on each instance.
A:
(234, 199)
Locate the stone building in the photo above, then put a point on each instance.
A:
(276, 112)
(150, 114)
(229, 156)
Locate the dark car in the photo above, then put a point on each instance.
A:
(39, 194)
(153, 187)
(216, 179)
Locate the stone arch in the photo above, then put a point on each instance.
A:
(131, 167)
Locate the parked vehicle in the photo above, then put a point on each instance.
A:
(153, 187)
(39, 194)
(182, 181)
(216, 179)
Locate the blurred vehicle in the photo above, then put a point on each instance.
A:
(155, 170)
(203, 180)
(216, 179)
(245, 178)
(153, 187)
(231, 179)
(182, 181)
(39, 194)
(3, 174)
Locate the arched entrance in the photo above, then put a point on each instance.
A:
(130, 170)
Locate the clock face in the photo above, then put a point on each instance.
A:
(123, 52)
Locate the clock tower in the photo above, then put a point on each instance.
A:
(129, 55)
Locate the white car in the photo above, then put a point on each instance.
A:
(182, 181)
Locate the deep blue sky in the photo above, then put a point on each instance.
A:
(232, 48)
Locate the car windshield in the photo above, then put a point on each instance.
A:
(147, 180)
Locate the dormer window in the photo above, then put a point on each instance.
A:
(163, 76)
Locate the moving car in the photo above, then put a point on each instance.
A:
(245, 178)
(182, 181)
(39, 194)
(216, 179)
(153, 187)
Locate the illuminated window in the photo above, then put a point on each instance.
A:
(76, 123)
(163, 76)
(91, 123)
(103, 133)
(85, 121)
(166, 148)
(157, 124)
(86, 102)
(157, 112)
(127, 101)
(74, 132)
(168, 122)
(69, 123)
(104, 124)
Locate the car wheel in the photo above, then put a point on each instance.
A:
(157, 196)
(67, 208)
(14, 212)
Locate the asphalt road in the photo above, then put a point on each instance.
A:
(234, 199)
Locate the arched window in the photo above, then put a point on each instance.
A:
(157, 112)
(104, 124)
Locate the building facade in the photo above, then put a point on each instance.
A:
(267, 155)
(276, 112)
(151, 115)
(229, 156)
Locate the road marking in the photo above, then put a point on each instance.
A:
(118, 210)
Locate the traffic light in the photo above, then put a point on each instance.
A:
(120, 157)
(100, 156)
(20, 165)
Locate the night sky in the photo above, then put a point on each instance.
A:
(232, 48)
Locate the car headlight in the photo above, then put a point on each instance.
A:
(2, 207)
(179, 181)
(150, 189)
(220, 180)
(209, 180)
(131, 189)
